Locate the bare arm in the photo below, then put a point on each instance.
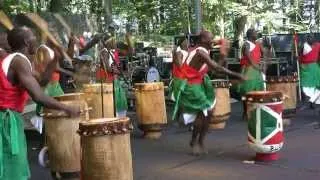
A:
(72, 42)
(50, 68)
(214, 66)
(23, 73)
(129, 42)
(105, 59)
(177, 58)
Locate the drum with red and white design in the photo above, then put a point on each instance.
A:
(265, 127)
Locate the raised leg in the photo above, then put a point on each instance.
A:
(197, 126)
(244, 113)
(204, 131)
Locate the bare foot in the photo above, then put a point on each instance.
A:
(196, 150)
(203, 149)
(192, 143)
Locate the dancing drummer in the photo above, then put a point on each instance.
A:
(47, 73)
(110, 71)
(16, 82)
(179, 55)
(250, 67)
(310, 73)
(197, 98)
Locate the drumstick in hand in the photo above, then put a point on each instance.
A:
(42, 25)
(5, 21)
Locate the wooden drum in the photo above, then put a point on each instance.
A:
(61, 133)
(288, 86)
(222, 108)
(105, 149)
(151, 108)
(265, 126)
(93, 97)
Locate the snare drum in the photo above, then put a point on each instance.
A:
(105, 149)
(265, 126)
(222, 109)
(151, 108)
(288, 86)
(62, 140)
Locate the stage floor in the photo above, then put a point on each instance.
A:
(169, 157)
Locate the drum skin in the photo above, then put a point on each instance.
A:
(106, 149)
(265, 126)
(151, 108)
(93, 97)
(288, 86)
(62, 140)
(222, 108)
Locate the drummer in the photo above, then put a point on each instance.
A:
(46, 64)
(197, 94)
(179, 55)
(310, 72)
(16, 82)
(110, 71)
(250, 67)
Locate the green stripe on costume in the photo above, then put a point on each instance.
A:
(52, 89)
(120, 96)
(13, 147)
(310, 75)
(175, 88)
(254, 82)
(194, 98)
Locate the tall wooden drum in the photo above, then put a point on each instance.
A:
(61, 133)
(105, 149)
(288, 86)
(222, 108)
(265, 126)
(93, 97)
(151, 108)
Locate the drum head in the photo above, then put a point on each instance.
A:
(153, 75)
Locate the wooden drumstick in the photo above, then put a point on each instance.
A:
(5, 21)
(42, 25)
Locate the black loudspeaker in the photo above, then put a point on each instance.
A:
(139, 47)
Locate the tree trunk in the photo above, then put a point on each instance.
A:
(222, 27)
(31, 5)
(197, 12)
(239, 24)
(38, 6)
(317, 10)
(1, 4)
(107, 8)
(57, 6)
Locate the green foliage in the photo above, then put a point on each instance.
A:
(171, 17)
